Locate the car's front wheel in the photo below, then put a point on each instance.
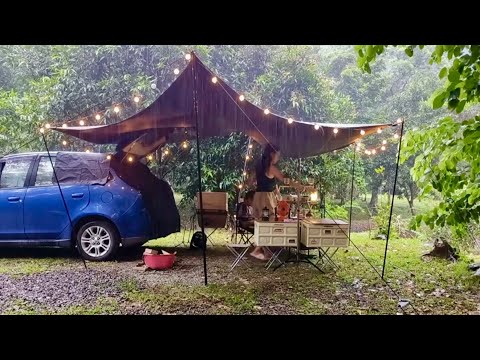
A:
(97, 241)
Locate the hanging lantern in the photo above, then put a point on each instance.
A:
(265, 214)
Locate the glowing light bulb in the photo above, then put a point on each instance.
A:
(81, 122)
(47, 125)
(214, 79)
(379, 131)
(150, 157)
(42, 130)
(166, 152)
(136, 99)
(176, 71)
(396, 136)
(383, 148)
(185, 145)
(130, 158)
(266, 111)
(250, 146)
(87, 150)
(241, 98)
(317, 126)
(374, 151)
(116, 109)
(240, 186)
(109, 157)
(98, 117)
(335, 131)
(384, 142)
(362, 132)
(247, 157)
(244, 173)
(290, 120)
(188, 57)
(64, 142)
(64, 126)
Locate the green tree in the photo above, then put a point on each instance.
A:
(446, 152)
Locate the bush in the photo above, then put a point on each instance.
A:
(382, 220)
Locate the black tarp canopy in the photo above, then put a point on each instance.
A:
(201, 101)
(221, 111)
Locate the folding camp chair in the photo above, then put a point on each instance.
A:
(243, 235)
(215, 211)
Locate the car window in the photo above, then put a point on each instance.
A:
(14, 173)
(45, 172)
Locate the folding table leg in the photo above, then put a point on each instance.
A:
(238, 256)
(274, 258)
(323, 254)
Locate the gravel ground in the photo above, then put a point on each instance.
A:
(71, 284)
(38, 281)
(55, 290)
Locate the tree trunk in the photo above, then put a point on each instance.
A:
(411, 197)
(374, 200)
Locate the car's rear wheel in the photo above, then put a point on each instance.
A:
(97, 241)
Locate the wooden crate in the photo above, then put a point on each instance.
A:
(275, 234)
(324, 233)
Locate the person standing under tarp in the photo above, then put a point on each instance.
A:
(266, 173)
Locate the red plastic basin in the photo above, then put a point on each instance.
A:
(159, 261)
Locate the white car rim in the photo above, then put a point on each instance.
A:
(95, 241)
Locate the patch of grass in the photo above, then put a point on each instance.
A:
(105, 306)
(129, 285)
(401, 207)
(215, 298)
(165, 299)
(20, 307)
(28, 266)
(239, 299)
(219, 238)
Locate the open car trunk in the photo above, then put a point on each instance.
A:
(156, 193)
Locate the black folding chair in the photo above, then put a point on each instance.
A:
(243, 234)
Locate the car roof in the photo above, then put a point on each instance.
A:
(40, 153)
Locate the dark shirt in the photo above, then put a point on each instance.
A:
(264, 183)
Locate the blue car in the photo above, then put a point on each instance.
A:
(98, 212)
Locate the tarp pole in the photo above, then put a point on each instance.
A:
(393, 199)
(199, 167)
(61, 192)
(351, 192)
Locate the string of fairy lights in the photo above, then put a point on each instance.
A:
(137, 98)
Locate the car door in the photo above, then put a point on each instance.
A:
(14, 173)
(44, 210)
